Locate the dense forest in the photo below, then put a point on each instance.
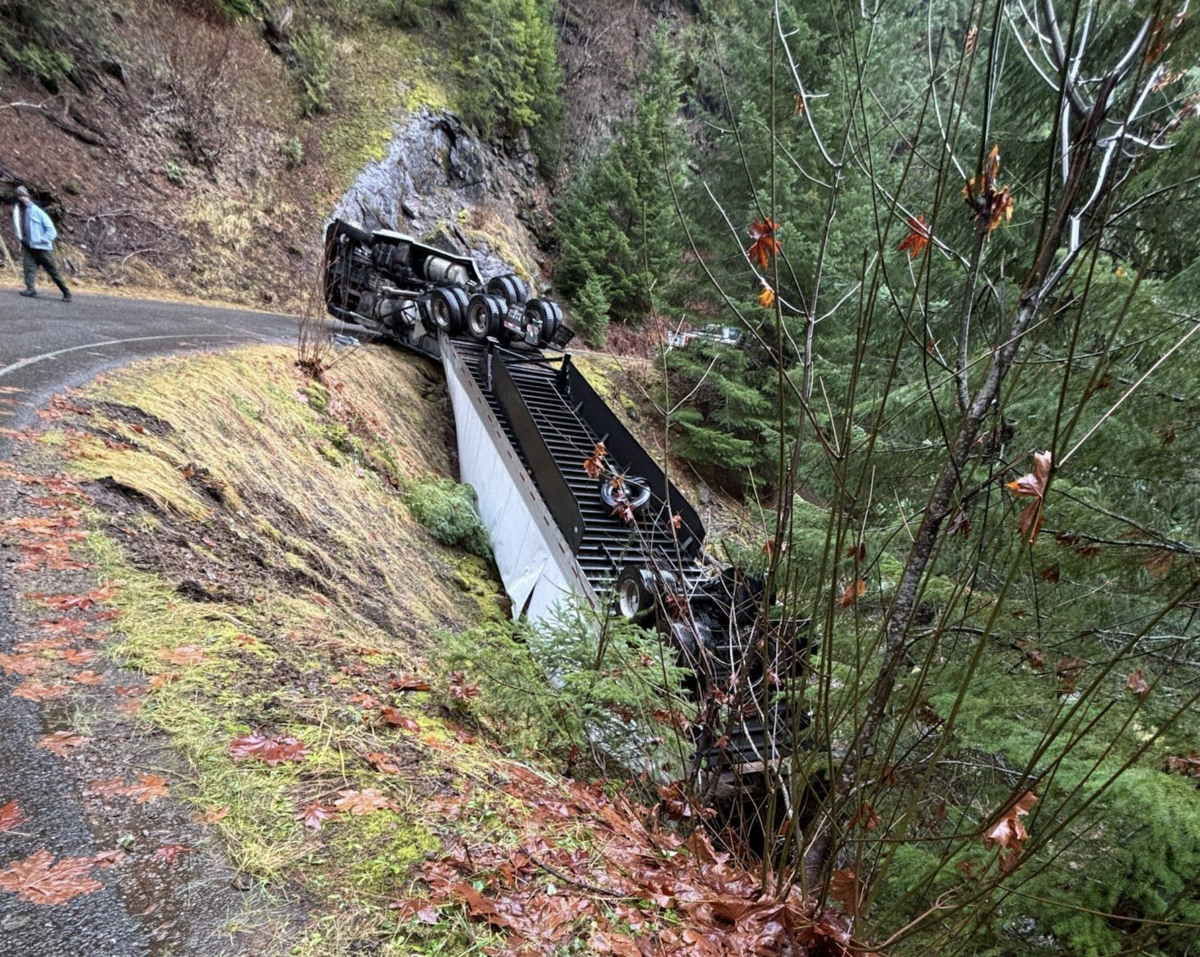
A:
(960, 240)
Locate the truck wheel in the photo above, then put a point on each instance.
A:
(636, 491)
(356, 234)
(508, 287)
(446, 307)
(543, 311)
(634, 594)
(485, 316)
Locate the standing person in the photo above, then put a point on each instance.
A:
(36, 233)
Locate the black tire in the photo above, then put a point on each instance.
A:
(485, 316)
(633, 594)
(446, 308)
(543, 311)
(356, 234)
(508, 287)
(636, 491)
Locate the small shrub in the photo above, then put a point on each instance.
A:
(177, 173)
(447, 510)
(556, 688)
(293, 152)
(313, 49)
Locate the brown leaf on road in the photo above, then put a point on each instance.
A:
(39, 880)
(75, 656)
(11, 815)
(80, 602)
(38, 691)
(145, 789)
(315, 815)
(25, 664)
(213, 815)
(363, 802)
(61, 742)
(88, 678)
(169, 853)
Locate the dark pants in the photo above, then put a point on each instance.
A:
(45, 259)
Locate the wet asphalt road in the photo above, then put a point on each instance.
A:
(47, 346)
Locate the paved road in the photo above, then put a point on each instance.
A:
(46, 346)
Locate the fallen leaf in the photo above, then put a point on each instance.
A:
(169, 853)
(39, 880)
(1189, 765)
(409, 683)
(271, 751)
(87, 678)
(460, 689)
(315, 814)
(183, 655)
(421, 909)
(362, 802)
(145, 789)
(61, 742)
(11, 815)
(38, 691)
(75, 656)
(23, 664)
(382, 762)
(400, 720)
(213, 815)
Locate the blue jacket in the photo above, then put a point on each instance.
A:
(41, 227)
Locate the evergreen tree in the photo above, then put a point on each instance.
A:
(618, 228)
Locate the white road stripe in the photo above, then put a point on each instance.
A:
(22, 363)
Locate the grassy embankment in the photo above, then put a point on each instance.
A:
(270, 579)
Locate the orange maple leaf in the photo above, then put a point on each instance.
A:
(766, 298)
(917, 239)
(854, 591)
(1033, 484)
(765, 244)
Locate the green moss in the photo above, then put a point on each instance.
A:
(477, 578)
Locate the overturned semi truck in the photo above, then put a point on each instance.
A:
(626, 540)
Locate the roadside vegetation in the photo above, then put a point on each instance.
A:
(964, 413)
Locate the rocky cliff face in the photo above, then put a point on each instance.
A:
(441, 182)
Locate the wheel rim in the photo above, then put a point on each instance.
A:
(477, 319)
(629, 599)
(441, 312)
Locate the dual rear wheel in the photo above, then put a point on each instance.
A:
(482, 315)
